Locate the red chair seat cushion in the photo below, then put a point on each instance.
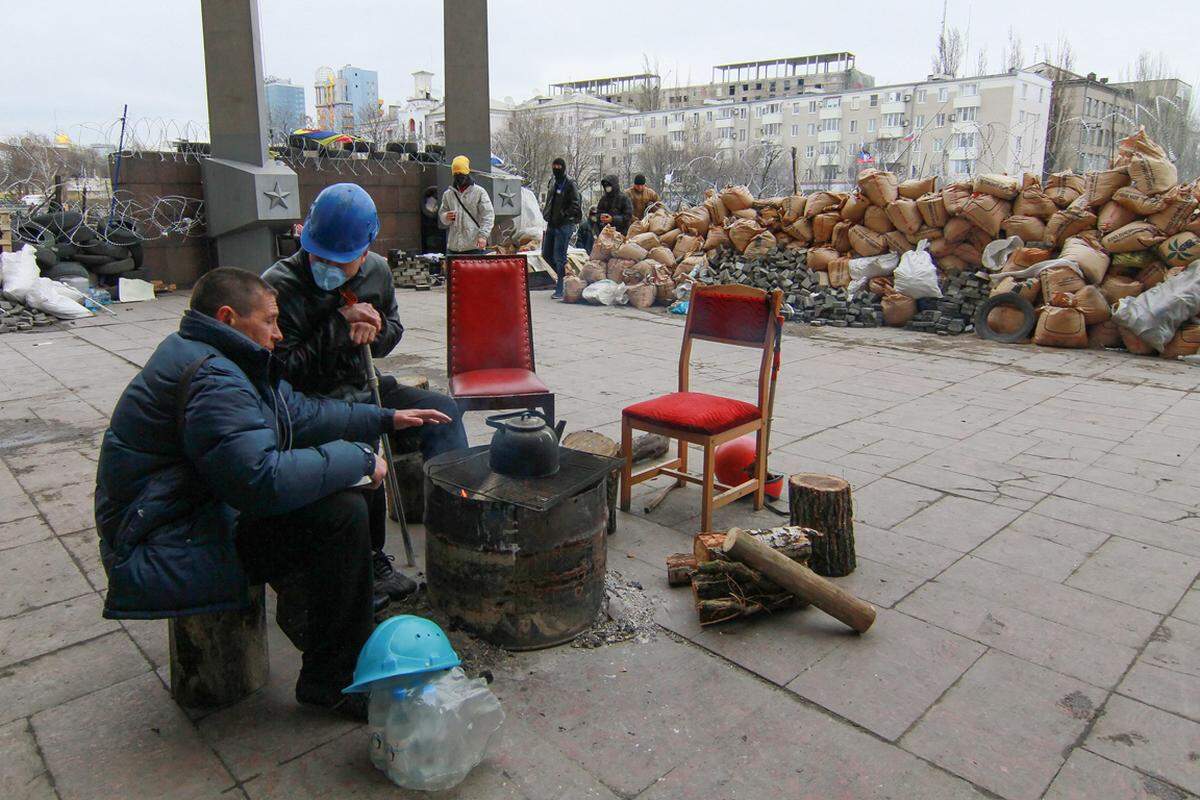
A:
(496, 383)
(694, 412)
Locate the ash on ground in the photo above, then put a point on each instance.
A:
(478, 657)
(627, 615)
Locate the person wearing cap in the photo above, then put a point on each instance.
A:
(335, 296)
(641, 195)
(466, 212)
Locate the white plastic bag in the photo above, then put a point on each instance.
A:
(1155, 314)
(19, 271)
(530, 220)
(606, 293)
(863, 269)
(997, 253)
(916, 277)
(57, 299)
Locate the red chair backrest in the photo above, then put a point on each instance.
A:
(734, 318)
(488, 314)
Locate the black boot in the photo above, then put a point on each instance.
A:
(330, 698)
(389, 583)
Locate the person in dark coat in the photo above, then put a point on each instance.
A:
(563, 211)
(215, 474)
(335, 296)
(433, 236)
(585, 237)
(615, 208)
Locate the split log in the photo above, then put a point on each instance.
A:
(680, 567)
(793, 542)
(714, 579)
(823, 502)
(713, 611)
(649, 446)
(799, 580)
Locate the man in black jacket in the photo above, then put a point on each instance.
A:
(334, 297)
(615, 208)
(562, 213)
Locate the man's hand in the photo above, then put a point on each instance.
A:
(451, 216)
(480, 243)
(362, 312)
(380, 472)
(363, 333)
(416, 417)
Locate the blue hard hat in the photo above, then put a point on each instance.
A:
(341, 223)
(403, 645)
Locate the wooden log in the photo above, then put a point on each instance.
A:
(799, 580)
(217, 659)
(707, 546)
(714, 579)
(713, 611)
(823, 502)
(793, 542)
(650, 446)
(680, 567)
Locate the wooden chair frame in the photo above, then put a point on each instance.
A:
(495, 402)
(677, 467)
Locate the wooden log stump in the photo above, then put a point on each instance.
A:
(823, 502)
(600, 445)
(650, 446)
(680, 567)
(217, 659)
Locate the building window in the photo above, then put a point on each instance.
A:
(809, 151)
(743, 112)
(874, 101)
(795, 108)
(856, 103)
(831, 125)
(1041, 93)
(812, 129)
(870, 126)
(939, 121)
(772, 129)
(833, 102)
(964, 140)
(795, 131)
(919, 121)
(742, 134)
(654, 122)
(969, 90)
(937, 145)
(854, 126)
(943, 94)
(960, 166)
(922, 95)
(893, 120)
(893, 97)
(1024, 90)
(829, 148)
(912, 171)
(968, 114)
(812, 106)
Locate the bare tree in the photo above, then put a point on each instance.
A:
(528, 143)
(1062, 129)
(682, 169)
(33, 163)
(372, 122)
(1165, 111)
(981, 63)
(948, 55)
(649, 96)
(1012, 56)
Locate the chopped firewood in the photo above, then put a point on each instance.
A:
(707, 546)
(823, 502)
(162, 287)
(793, 541)
(713, 611)
(649, 446)
(680, 567)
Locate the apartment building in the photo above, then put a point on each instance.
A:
(578, 112)
(1088, 116)
(953, 128)
(346, 98)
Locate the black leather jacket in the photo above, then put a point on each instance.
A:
(316, 353)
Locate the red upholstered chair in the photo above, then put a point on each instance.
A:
(489, 342)
(737, 315)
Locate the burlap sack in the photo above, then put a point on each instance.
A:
(1060, 279)
(685, 267)
(717, 237)
(987, 212)
(660, 220)
(1092, 260)
(1138, 202)
(866, 242)
(771, 218)
(801, 230)
(1005, 319)
(1193, 225)
(607, 243)
(855, 208)
(968, 253)
(647, 241)
(880, 285)
(1105, 334)
(594, 271)
(1003, 186)
(957, 230)
(1067, 222)
(641, 295)
(1062, 196)
(717, 212)
(904, 215)
(1060, 327)
(1032, 200)
(898, 242)
(941, 247)
(662, 255)
(951, 264)
(686, 245)
(1186, 342)
(917, 187)
(1030, 229)
(823, 225)
(616, 267)
(745, 213)
(693, 220)
(636, 228)
(669, 238)
(736, 198)
(877, 220)
(1180, 250)
(1131, 237)
(1128, 263)
(1099, 187)
(839, 272)
(1067, 179)
(573, 289)
(1113, 215)
(822, 202)
(928, 234)
(1150, 171)
(933, 210)
(955, 197)
(740, 233)
(1031, 254)
(760, 246)
(840, 240)
(1132, 343)
(1180, 205)
(1029, 288)
(630, 251)
(793, 208)
(898, 309)
(1091, 304)
(1114, 287)
(819, 258)
(664, 293)
(1151, 276)
(879, 187)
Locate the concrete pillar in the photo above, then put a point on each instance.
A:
(468, 93)
(237, 106)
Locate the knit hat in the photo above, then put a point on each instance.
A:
(461, 165)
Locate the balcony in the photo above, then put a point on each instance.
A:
(961, 101)
(964, 126)
(891, 132)
(829, 159)
(637, 129)
(829, 113)
(771, 119)
(895, 107)
(829, 136)
(675, 126)
(964, 153)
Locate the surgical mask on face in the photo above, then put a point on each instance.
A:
(327, 276)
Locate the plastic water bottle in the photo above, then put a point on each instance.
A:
(378, 707)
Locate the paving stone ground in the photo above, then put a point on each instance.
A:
(1028, 522)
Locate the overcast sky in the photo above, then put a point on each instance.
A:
(75, 62)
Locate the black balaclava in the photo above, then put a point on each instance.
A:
(462, 181)
(559, 168)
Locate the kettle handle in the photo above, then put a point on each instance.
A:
(497, 420)
(558, 429)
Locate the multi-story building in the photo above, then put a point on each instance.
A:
(953, 128)
(285, 107)
(347, 99)
(745, 81)
(576, 113)
(406, 122)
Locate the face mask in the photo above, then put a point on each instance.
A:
(558, 172)
(327, 276)
(461, 180)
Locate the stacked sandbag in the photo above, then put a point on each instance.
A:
(68, 245)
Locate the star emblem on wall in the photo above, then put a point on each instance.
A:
(507, 198)
(278, 198)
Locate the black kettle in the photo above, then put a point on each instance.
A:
(524, 445)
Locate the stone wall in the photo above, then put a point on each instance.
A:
(166, 188)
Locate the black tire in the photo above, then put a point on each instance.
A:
(60, 222)
(45, 257)
(140, 274)
(65, 251)
(1013, 300)
(82, 235)
(123, 232)
(92, 261)
(68, 269)
(103, 248)
(118, 267)
(137, 253)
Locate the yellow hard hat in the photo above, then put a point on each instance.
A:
(461, 165)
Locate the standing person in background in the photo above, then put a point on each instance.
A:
(641, 195)
(466, 212)
(614, 207)
(562, 213)
(587, 231)
(433, 238)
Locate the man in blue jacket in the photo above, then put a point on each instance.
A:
(215, 474)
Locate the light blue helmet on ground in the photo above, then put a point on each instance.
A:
(399, 646)
(341, 223)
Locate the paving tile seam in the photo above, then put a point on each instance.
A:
(1183, 793)
(30, 609)
(41, 755)
(1168, 711)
